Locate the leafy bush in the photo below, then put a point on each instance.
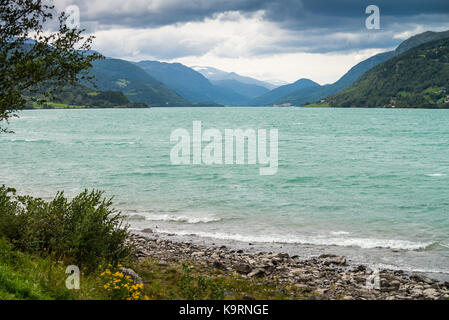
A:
(85, 231)
(119, 286)
(198, 288)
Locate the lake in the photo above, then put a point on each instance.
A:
(372, 184)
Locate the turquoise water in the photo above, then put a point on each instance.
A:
(373, 184)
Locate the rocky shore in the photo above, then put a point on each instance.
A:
(322, 277)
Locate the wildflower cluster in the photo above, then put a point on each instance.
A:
(120, 286)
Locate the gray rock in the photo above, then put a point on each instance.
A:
(430, 293)
(339, 261)
(130, 272)
(219, 265)
(420, 278)
(162, 263)
(259, 272)
(244, 268)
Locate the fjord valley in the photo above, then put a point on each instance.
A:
(160, 84)
(224, 150)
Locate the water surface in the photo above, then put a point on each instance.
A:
(371, 183)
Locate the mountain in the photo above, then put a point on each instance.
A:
(418, 78)
(276, 94)
(137, 85)
(300, 97)
(214, 74)
(191, 84)
(247, 90)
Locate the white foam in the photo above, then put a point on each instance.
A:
(190, 218)
(436, 175)
(444, 245)
(339, 233)
(365, 243)
(383, 266)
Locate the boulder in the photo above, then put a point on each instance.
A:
(259, 272)
(131, 273)
(218, 265)
(339, 261)
(244, 268)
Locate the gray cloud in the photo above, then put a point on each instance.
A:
(294, 13)
(317, 26)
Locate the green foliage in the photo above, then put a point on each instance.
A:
(184, 280)
(119, 286)
(85, 231)
(24, 276)
(83, 97)
(417, 78)
(197, 288)
(58, 58)
(316, 105)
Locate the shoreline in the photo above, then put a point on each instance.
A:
(327, 276)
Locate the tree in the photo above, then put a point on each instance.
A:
(35, 63)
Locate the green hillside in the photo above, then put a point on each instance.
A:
(135, 83)
(77, 97)
(418, 78)
(302, 96)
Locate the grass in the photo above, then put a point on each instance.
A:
(54, 105)
(317, 105)
(30, 277)
(186, 280)
(25, 276)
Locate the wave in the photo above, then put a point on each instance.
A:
(190, 219)
(382, 266)
(31, 140)
(117, 143)
(444, 245)
(339, 233)
(135, 217)
(140, 174)
(436, 175)
(364, 243)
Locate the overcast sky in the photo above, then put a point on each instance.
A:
(279, 39)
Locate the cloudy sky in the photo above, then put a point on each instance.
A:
(266, 39)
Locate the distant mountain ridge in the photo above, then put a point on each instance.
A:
(214, 74)
(244, 89)
(302, 96)
(161, 84)
(191, 84)
(274, 95)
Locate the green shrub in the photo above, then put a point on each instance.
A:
(199, 288)
(86, 231)
(25, 277)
